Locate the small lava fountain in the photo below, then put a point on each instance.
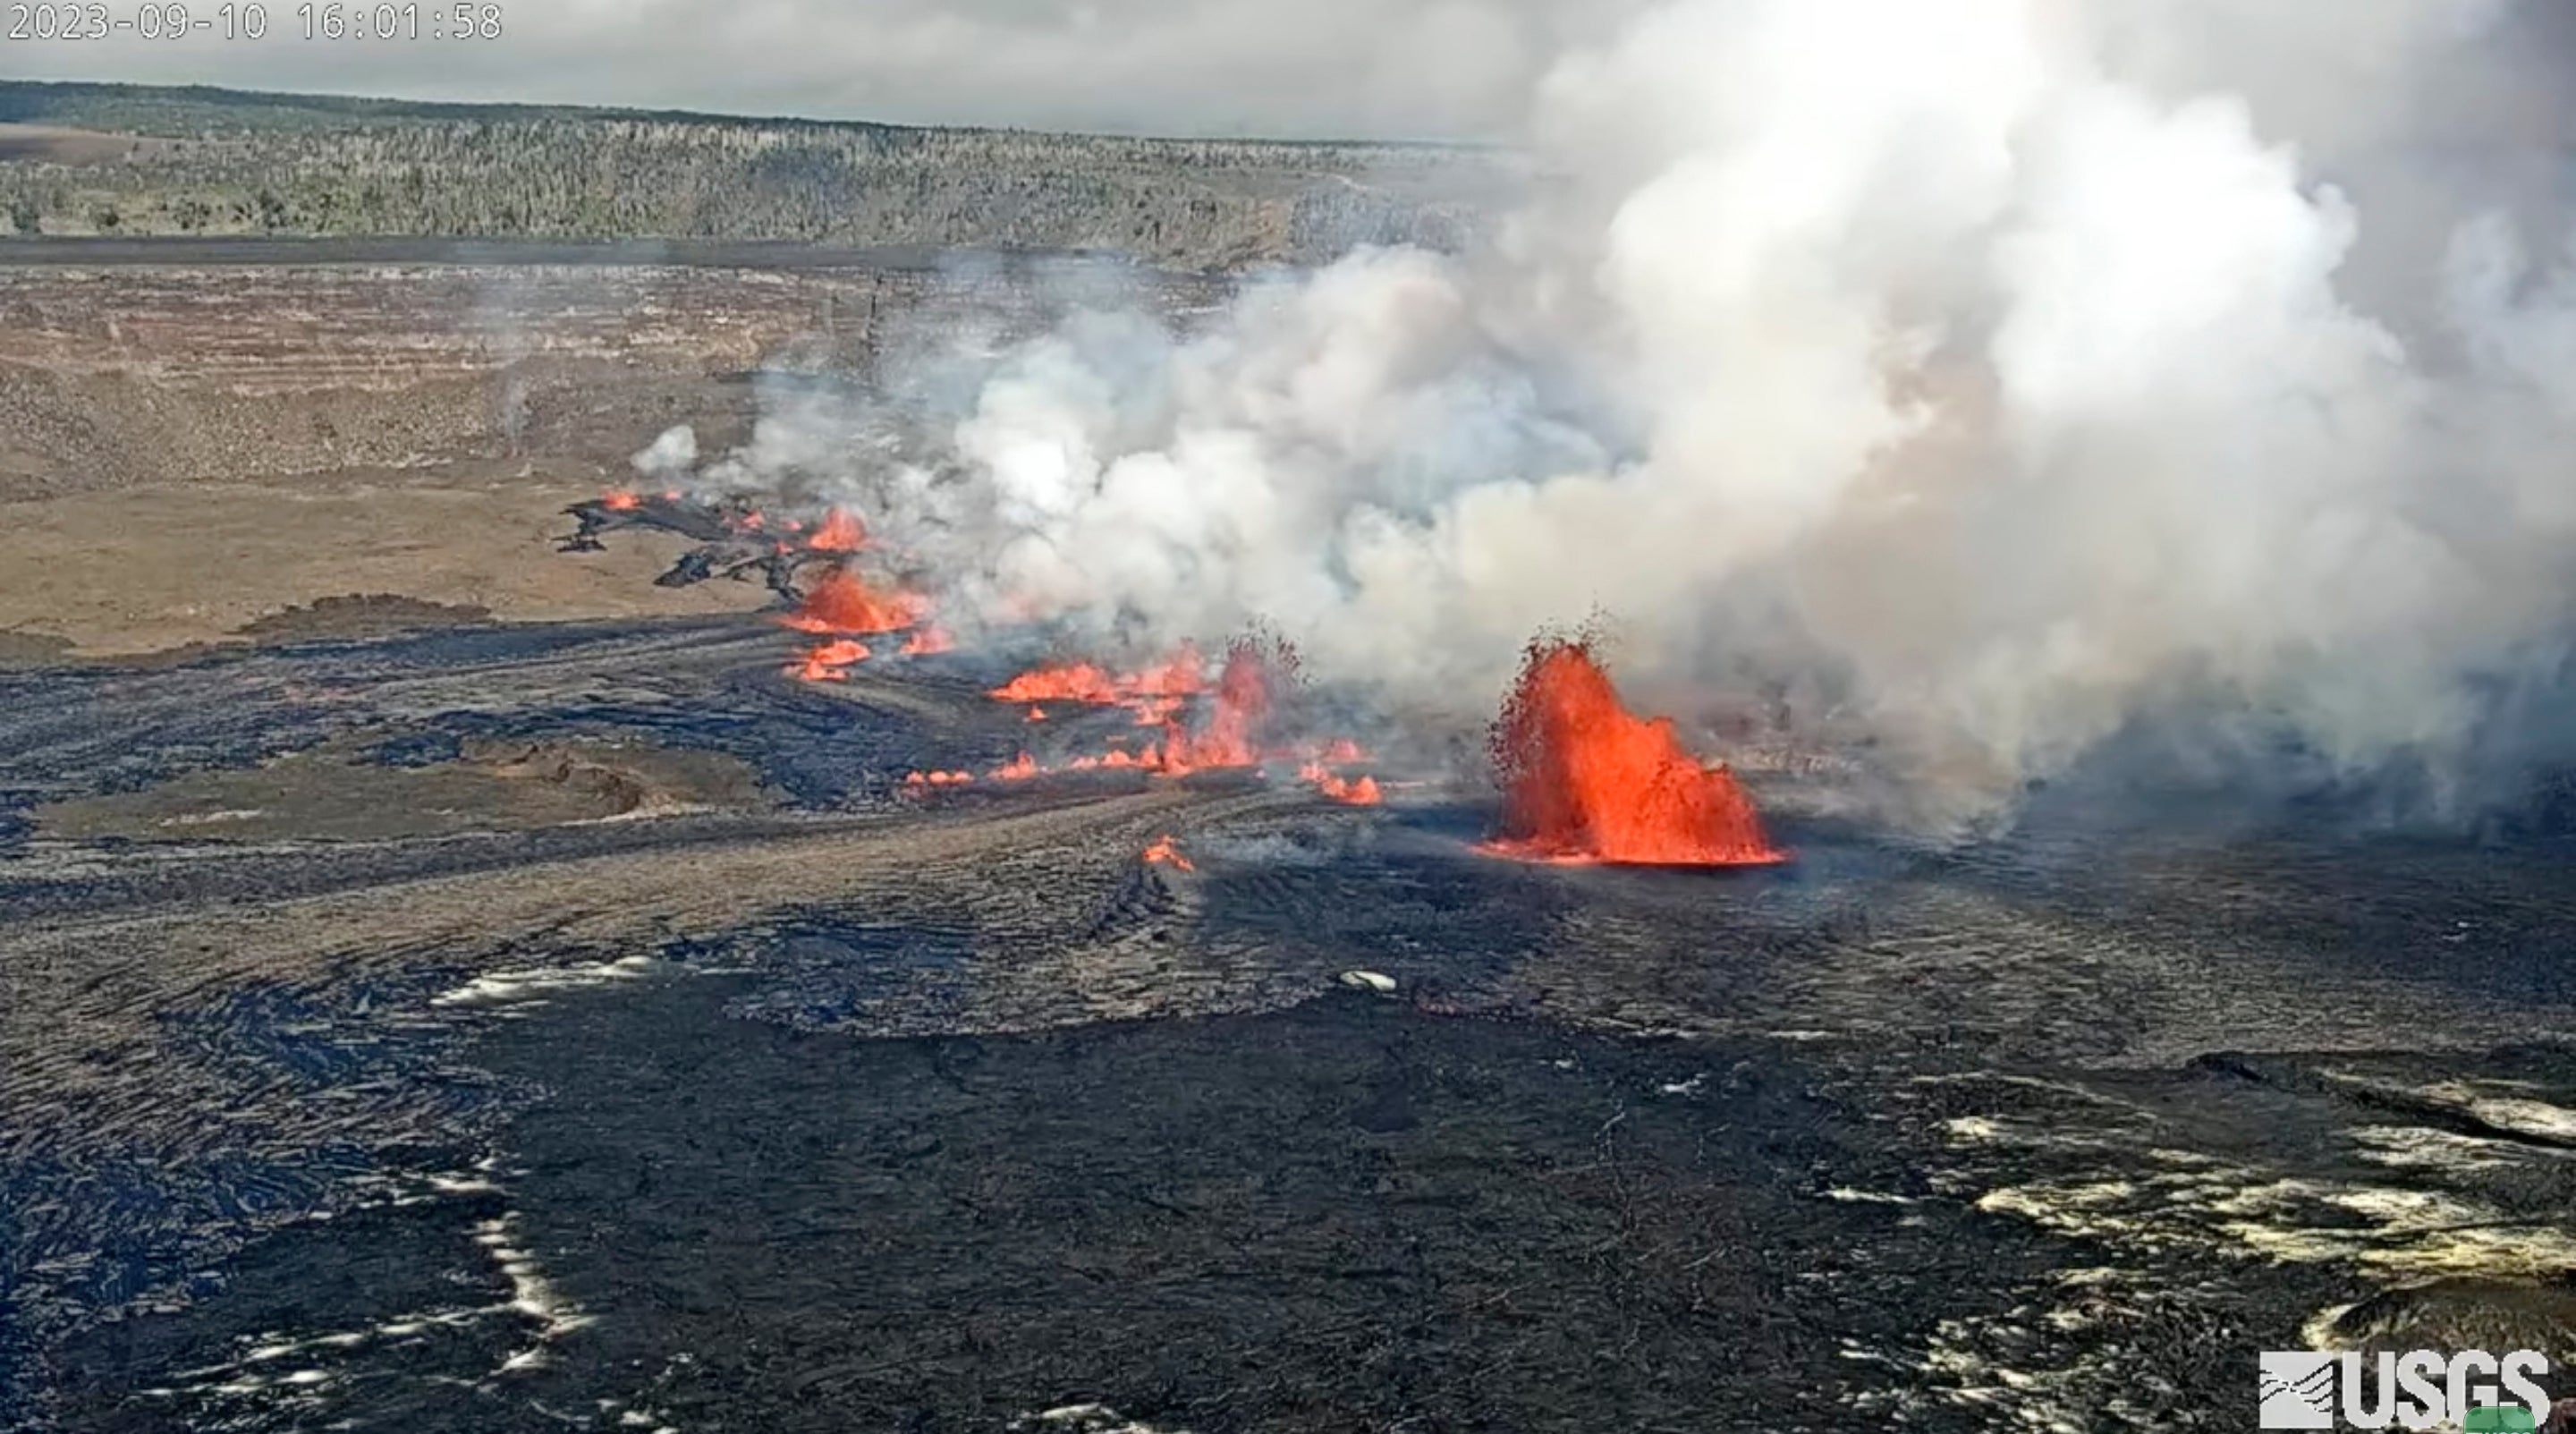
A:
(1586, 780)
(843, 603)
(839, 532)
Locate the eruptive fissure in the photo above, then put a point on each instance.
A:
(1154, 693)
(1232, 732)
(1583, 778)
(1586, 780)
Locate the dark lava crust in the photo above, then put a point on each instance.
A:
(842, 1109)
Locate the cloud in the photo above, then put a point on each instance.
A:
(1326, 68)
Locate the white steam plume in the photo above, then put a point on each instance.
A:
(670, 455)
(1995, 366)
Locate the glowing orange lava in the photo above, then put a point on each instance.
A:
(925, 641)
(842, 603)
(1242, 702)
(1155, 691)
(1360, 791)
(1162, 850)
(1059, 682)
(1176, 676)
(839, 532)
(618, 500)
(829, 661)
(1584, 779)
(1226, 733)
(1018, 769)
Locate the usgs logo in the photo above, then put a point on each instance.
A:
(2472, 1390)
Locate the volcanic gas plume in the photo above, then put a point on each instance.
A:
(1584, 779)
(2007, 379)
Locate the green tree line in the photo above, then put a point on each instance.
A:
(222, 163)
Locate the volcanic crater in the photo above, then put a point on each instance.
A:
(639, 1021)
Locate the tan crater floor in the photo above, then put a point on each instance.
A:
(147, 570)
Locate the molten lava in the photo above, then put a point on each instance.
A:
(1018, 769)
(1155, 692)
(1176, 676)
(618, 500)
(1226, 733)
(1360, 791)
(1584, 779)
(1058, 682)
(839, 532)
(829, 661)
(842, 603)
(1162, 850)
(926, 641)
(1242, 702)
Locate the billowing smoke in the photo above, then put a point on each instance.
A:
(1994, 376)
(670, 456)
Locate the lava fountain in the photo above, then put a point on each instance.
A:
(839, 532)
(842, 603)
(1586, 780)
(1243, 696)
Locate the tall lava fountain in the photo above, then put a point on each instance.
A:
(1585, 779)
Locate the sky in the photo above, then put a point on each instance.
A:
(1398, 69)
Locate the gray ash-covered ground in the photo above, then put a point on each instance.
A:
(830, 1107)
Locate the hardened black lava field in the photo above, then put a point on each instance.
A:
(634, 1051)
